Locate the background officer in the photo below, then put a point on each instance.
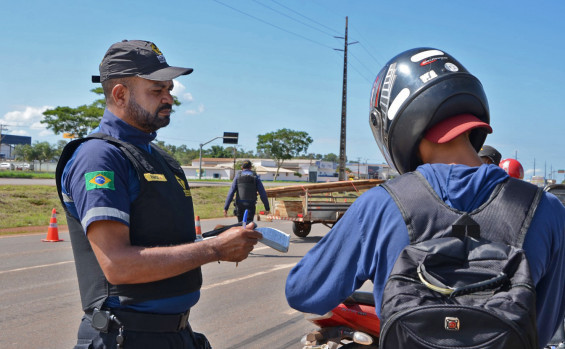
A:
(246, 185)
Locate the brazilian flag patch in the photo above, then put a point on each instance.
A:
(99, 180)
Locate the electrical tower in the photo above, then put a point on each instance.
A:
(342, 138)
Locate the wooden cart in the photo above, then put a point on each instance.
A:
(307, 204)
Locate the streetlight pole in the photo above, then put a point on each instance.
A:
(200, 161)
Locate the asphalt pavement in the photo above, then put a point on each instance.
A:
(240, 307)
(192, 184)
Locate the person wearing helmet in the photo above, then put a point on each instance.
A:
(429, 116)
(513, 167)
(490, 155)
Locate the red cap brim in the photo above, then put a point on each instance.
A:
(448, 129)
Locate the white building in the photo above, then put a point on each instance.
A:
(296, 170)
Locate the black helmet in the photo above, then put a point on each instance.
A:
(413, 92)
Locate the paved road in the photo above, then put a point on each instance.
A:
(51, 182)
(241, 307)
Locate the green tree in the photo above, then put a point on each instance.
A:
(181, 153)
(331, 157)
(44, 152)
(59, 147)
(79, 121)
(217, 151)
(24, 152)
(40, 151)
(283, 144)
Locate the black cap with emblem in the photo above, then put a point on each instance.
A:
(137, 58)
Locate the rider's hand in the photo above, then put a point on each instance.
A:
(225, 213)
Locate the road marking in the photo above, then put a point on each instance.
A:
(290, 311)
(231, 281)
(35, 267)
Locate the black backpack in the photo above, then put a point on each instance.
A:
(464, 281)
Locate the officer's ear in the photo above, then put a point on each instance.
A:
(120, 95)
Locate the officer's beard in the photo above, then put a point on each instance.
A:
(145, 120)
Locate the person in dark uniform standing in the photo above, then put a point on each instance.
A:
(245, 186)
(130, 214)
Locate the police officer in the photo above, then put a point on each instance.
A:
(130, 213)
(246, 185)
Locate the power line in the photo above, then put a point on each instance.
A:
(271, 24)
(294, 19)
(310, 19)
(301, 36)
(364, 66)
(369, 53)
(379, 62)
(349, 64)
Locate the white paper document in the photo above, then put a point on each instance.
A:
(274, 238)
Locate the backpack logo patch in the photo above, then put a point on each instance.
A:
(452, 324)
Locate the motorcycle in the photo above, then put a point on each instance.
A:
(353, 324)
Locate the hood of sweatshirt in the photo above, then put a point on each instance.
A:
(462, 187)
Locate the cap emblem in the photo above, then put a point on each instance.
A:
(160, 56)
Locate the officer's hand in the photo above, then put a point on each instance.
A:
(235, 244)
(225, 213)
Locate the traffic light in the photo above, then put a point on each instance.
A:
(231, 137)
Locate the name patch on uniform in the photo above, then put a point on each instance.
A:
(155, 177)
(99, 180)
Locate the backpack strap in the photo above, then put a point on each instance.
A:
(504, 217)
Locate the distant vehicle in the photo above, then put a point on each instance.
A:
(22, 166)
(6, 166)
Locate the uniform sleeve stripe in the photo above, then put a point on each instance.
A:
(104, 212)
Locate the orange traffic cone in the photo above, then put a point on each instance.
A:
(53, 231)
(198, 229)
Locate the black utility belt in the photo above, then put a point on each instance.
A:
(102, 320)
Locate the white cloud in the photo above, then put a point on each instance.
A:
(26, 122)
(198, 110)
(179, 92)
(28, 117)
(46, 132)
(19, 133)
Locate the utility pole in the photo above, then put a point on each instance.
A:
(342, 137)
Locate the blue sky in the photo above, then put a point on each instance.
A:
(262, 65)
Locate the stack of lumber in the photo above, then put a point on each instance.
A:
(331, 187)
(287, 208)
